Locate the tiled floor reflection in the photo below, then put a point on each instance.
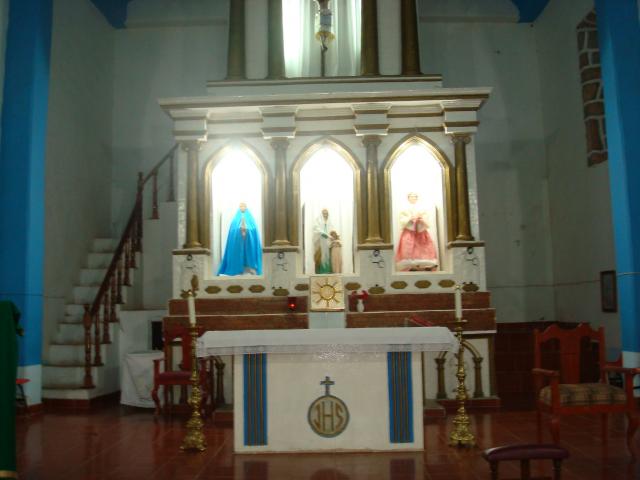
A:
(118, 443)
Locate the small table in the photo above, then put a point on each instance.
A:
(137, 379)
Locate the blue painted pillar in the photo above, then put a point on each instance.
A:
(619, 37)
(22, 165)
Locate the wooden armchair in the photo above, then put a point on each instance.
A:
(182, 375)
(565, 393)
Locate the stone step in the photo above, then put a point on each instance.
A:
(92, 276)
(67, 376)
(99, 260)
(83, 294)
(104, 245)
(73, 333)
(74, 310)
(70, 353)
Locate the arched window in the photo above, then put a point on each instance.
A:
(419, 198)
(235, 182)
(328, 184)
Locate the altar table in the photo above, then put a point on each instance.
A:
(327, 389)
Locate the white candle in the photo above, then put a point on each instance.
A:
(192, 309)
(458, 297)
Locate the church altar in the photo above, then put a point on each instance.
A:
(327, 389)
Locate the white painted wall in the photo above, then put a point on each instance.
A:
(581, 226)
(78, 161)
(510, 156)
(151, 63)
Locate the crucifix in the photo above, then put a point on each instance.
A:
(323, 31)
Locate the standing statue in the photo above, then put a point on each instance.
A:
(336, 252)
(243, 252)
(327, 249)
(416, 250)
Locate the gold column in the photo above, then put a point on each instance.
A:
(193, 234)
(462, 189)
(409, 32)
(280, 147)
(236, 47)
(276, 42)
(369, 37)
(371, 143)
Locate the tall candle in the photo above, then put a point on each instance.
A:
(192, 309)
(458, 297)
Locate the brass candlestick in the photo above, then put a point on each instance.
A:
(461, 434)
(194, 438)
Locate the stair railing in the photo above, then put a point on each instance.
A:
(103, 310)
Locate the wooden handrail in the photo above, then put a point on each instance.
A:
(124, 258)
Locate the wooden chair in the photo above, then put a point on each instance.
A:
(566, 395)
(182, 375)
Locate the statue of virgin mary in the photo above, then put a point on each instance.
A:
(243, 252)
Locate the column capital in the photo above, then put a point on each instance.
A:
(191, 145)
(371, 140)
(279, 143)
(460, 138)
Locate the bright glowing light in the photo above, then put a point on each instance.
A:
(236, 178)
(326, 181)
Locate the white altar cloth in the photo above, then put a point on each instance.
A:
(327, 340)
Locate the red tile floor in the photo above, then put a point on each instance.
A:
(123, 443)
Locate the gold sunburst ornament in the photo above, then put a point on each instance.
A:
(327, 293)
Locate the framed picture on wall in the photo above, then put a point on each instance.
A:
(608, 291)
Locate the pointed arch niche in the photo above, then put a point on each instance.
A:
(235, 173)
(416, 166)
(326, 176)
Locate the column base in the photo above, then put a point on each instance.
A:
(281, 243)
(375, 246)
(373, 240)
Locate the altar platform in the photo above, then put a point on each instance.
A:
(328, 389)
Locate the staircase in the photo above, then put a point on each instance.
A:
(84, 357)
(64, 369)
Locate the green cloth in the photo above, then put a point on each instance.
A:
(9, 328)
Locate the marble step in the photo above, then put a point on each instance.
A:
(73, 333)
(67, 376)
(84, 294)
(104, 245)
(92, 276)
(99, 260)
(70, 354)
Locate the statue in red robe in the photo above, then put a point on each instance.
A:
(416, 250)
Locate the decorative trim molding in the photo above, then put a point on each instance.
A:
(255, 399)
(400, 397)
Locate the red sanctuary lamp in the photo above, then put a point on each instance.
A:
(292, 303)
